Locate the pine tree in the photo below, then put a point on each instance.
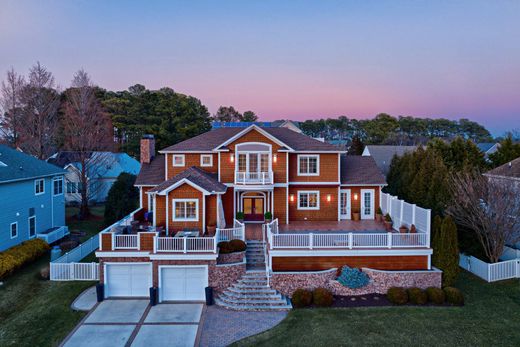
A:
(436, 243)
(447, 258)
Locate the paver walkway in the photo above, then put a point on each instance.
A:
(130, 322)
(222, 327)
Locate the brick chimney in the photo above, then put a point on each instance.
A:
(147, 148)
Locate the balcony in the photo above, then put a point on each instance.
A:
(252, 178)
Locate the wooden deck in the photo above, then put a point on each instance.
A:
(332, 226)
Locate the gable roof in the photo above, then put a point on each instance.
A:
(206, 181)
(19, 166)
(109, 164)
(356, 169)
(509, 170)
(153, 173)
(212, 139)
(383, 154)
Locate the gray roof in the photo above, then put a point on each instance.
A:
(383, 154)
(153, 173)
(510, 169)
(356, 169)
(17, 166)
(211, 139)
(201, 178)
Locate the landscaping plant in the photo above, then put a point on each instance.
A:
(237, 245)
(24, 253)
(417, 296)
(445, 249)
(224, 247)
(397, 295)
(454, 296)
(435, 295)
(322, 297)
(301, 298)
(353, 278)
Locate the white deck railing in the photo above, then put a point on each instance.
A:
(125, 241)
(347, 240)
(491, 272)
(254, 177)
(54, 235)
(186, 244)
(74, 271)
(237, 232)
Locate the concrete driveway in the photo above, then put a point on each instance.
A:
(129, 322)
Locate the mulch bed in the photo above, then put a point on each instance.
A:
(371, 300)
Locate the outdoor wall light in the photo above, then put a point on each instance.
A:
(329, 197)
(292, 198)
(232, 158)
(275, 158)
(355, 196)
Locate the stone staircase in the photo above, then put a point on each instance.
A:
(252, 293)
(255, 259)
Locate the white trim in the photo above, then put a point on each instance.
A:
(317, 183)
(372, 202)
(204, 215)
(349, 204)
(181, 256)
(166, 167)
(161, 267)
(29, 227)
(11, 230)
(175, 219)
(263, 196)
(182, 152)
(60, 178)
(145, 185)
(319, 152)
(43, 185)
(179, 156)
(180, 183)
(346, 185)
(218, 167)
(119, 254)
(141, 197)
(349, 252)
(248, 129)
(300, 192)
(339, 167)
(150, 264)
(210, 156)
(317, 156)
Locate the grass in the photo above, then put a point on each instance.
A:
(490, 317)
(34, 312)
(93, 225)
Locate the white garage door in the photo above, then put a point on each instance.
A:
(183, 283)
(128, 280)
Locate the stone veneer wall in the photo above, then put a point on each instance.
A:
(230, 258)
(222, 276)
(380, 281)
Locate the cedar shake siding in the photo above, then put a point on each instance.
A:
(329, 262)
(144, 197)
(356, 204)
(280, 204)
(185, 191)
(328, 169)
(190, 159)
(211, 210)
(328, 210)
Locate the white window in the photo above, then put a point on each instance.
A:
(186, 210)
(39, 186)
(206, 160)
(308, 200)
(308, 165)
(57, 185)
(32, 226)
(178, 160)
(14, 230)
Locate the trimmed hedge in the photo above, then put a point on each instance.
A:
(301, 298)
(435, 295)
(224, 247)
(454, 296)
(237, 245)
(322, 297)
(397, 295)
(417, 296)
(19, 255)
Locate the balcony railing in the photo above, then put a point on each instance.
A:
(254, 177)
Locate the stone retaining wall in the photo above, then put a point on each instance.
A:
(222, 276)
(380, 281)
(231, 258)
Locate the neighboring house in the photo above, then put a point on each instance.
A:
(32, 203)
(289, 124)
(311, 188)
(488, 148)
(509, 172)
(104, 168)
(383, 154)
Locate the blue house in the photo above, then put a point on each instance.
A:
(32, 201)
(103, 168)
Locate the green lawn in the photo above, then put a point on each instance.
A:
(35, 312)
(491, 317)
(91, 226)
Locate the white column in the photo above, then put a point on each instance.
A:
(167, 215)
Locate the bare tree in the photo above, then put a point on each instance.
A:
(490, 207)
(40, 101)
(87, 131)
(11, 104)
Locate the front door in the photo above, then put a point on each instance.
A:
(344, 204)
(253, 209)
(367, 203)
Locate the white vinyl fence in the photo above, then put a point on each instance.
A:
(404, 213)
(74, 272)
(491, 272)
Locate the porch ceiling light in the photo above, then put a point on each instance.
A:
(232, 158)
(329, 197)
(355, 196)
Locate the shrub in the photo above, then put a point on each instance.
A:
(445, 249)
(397, 295)
(240, 215)
(353, 278)
(379, 210)
(122, 198)
(224, 247)
(268, 215)
(19, 255)
(44, 273)
(388, 218)
(322, 297)
(436, 295)
(301, 298)
(237, 245)
(454, 296)
(417, 296)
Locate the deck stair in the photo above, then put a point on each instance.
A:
(252, 293)
(255, 258)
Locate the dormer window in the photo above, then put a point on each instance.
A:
(178, 160)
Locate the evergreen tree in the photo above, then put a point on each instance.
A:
(357, 146)
(447, 257)
(507, 152)
(122, 198)
(436, 242)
